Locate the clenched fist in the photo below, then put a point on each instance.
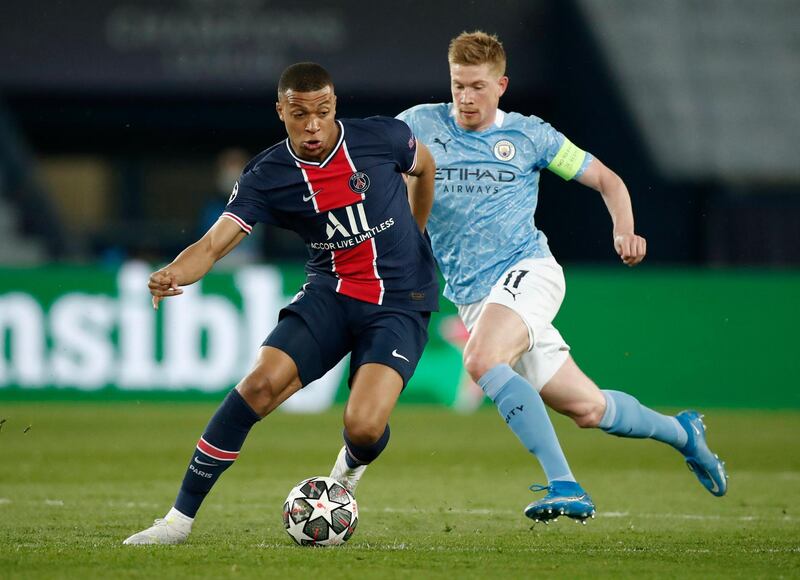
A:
(631, 248)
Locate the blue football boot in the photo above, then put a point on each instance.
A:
(707, 466)
(564, 498)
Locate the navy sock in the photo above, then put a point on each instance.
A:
(627, 417)
(216, 450)
(364, 454)
(524, 412)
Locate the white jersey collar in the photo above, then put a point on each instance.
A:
(330, 155)
(499, 116)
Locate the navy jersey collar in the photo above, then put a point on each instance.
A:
(325, 161)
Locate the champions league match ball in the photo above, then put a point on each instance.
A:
(319, 511)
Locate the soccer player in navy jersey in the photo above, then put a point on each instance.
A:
(508, 287)
(370, 289)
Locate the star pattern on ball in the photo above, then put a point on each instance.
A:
(320, 506)
(319, 511)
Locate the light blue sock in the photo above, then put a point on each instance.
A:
(627, 417)
(523, 410)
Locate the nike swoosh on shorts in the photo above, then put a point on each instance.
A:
(396, 354)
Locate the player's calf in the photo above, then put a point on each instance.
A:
(216, 450)
(585, 414)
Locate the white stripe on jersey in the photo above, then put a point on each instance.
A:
(239, 221)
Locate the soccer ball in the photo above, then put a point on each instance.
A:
(319, 511)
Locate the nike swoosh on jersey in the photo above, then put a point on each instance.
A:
(313, 193)
(204, 463)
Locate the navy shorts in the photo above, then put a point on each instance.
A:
(320, 327)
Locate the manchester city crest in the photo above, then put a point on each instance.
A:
(359, 182)
(504, 150)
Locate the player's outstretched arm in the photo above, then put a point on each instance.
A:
(629, 246)
(421, 186)
(195, 261)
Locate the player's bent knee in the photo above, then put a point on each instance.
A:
(364, 432)
(478, 363)
(259, 392)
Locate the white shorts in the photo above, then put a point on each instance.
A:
(533, 288)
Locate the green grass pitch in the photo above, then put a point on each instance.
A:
(445, 500)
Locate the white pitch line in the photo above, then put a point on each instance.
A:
(600, 514)
(785, 518)
(471, 512)
(4, 500)
(537, 549)
(460, 512)
(134, 504)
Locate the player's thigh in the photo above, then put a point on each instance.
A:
(540, 364)
(499, 336)
(313, 331)
(533, 289)
(572, 393)
(390, 337)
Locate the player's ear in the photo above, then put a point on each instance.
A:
(279, 110)
(503, 84)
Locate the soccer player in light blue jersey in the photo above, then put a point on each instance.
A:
(506, 283)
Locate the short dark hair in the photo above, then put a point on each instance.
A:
(304, 77)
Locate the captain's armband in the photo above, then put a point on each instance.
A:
(568, 160)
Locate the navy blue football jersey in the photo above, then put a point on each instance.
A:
(352, 211)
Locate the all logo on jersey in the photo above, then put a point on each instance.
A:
(335, 226)
(359, 182)
(235, 192)
(352, 227)
(504, 150)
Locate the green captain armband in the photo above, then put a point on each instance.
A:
(567, 161)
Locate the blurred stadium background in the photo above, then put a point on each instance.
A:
(123, 125)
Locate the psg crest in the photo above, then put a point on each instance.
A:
(359, 182)
(504, 150)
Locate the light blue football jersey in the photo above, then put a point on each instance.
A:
(487, 188)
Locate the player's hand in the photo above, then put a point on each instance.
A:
(631, 248)
(163, 283)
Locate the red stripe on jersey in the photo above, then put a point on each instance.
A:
(216, 452)
(329, 184)
(358, 273)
